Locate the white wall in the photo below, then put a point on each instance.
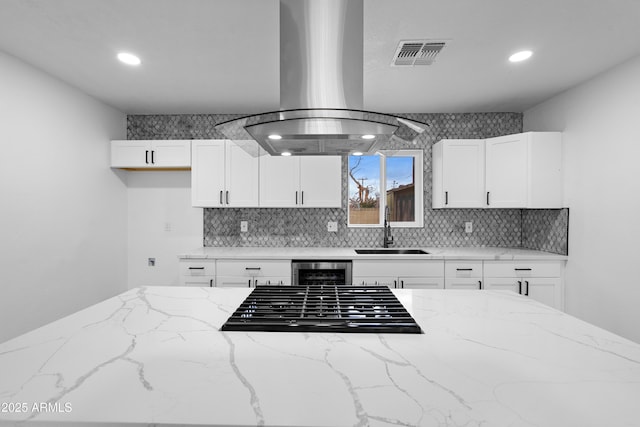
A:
(162, 224)
(600, 120)
(63, 216)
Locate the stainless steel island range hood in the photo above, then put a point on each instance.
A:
(321, 74)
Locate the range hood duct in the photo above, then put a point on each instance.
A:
(321, 75)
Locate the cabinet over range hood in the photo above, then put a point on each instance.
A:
(321, 74)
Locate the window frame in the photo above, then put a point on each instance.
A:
(418, 157)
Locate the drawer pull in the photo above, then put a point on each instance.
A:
(253, 268)
(522, 269)
(464, 269)
(196, 268)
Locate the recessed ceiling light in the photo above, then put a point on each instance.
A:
(285, 153)
(520, 56)
(357, 153)
(275, 136)
(368, 136)
(128, 58)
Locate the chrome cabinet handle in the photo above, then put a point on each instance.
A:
(196, 268)
(526, 292)
(402, 284)
(253, 268)
(146, 156)
(227, 197)
(221, 197)
(487, 198)
(152, 161)
(446, 197)
(522, 269)
(296, 197)
(395, 283)
(211, 283)
(520, 287)
(464, 269)
(302, 197)
(479, 284)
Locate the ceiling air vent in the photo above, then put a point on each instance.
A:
(417, 52)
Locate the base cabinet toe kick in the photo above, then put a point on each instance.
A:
(540, 280)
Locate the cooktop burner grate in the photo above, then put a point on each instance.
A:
(322, 309)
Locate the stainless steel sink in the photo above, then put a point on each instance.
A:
(390, 251)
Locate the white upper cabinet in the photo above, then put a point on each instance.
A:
(151, 154)
(223, 174)
(279, 181)
(321, 181)
(514, 171)
(304, 182)
(524, 170)
(458, 173)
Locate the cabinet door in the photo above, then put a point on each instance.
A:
(130, 154)
(421, 282)
(279, 181)
(463, 174)
(235, 282)
(208, 173)
(391, 282)
(506, 171)
(462, 283)
(320, 182)
(502, 284)
(207, 282)
(545, 290)
(241, 177)
(171, 154)
(273, 281)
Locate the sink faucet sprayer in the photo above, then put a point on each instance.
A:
(388, 238)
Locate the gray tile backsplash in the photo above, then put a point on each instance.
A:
(534, 229)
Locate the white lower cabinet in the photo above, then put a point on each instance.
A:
(540, 280)
(401, 274)
(251, 273)
(463, 275)
(201, 272)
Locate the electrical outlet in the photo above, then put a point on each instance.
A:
(244, 226)
(151, 262)
(167, 226)
(468, 227)
(332, 226)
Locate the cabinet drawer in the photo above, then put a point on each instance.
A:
(197, 268)
(522, 269)
(462, 269)
(257, 268)
(406, 268)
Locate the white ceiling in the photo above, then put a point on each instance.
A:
(221, 56)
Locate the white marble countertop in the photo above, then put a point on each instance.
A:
(155, 356)
(487, 253)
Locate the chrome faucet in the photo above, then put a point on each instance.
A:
(388, 238)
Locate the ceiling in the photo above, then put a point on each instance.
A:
(221, 56)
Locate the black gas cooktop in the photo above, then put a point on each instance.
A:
(322, 309)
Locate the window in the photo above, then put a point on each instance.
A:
(390, 179)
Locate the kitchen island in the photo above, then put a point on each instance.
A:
(155, 356)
